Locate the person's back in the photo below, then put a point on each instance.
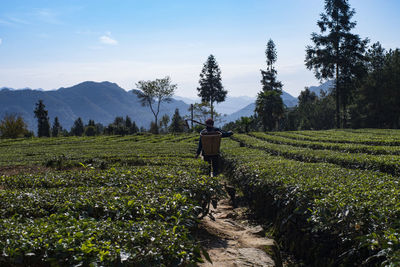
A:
(209, 143)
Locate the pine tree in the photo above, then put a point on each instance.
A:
(211, 89)
(269, 103)
(78, 128)
(43, 120)
(177, 123)
(56, 129)
(338, 54)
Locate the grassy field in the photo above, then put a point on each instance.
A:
(330, 197)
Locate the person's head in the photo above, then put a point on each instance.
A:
(209, 122)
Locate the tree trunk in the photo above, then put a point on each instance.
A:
(337, 98)
(212, 110)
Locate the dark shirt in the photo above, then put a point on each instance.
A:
(211, 130)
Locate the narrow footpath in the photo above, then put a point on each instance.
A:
(231, 241)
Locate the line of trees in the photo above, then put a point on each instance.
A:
(366, 91)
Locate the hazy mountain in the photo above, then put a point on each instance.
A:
(101, 102)
(232, 104)
(289, 100)
(247, 111)
(326, 87)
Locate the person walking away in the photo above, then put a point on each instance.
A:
(210, 130)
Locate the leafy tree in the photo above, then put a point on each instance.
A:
(242, 125)
(56, 129)
(43, 120)
(13, 126)
(211, 89)
(269, 103)
(378, 101)
(202, 111)
(154, 93)
(91, 129)
(338, 54)
(177, 123)
(131, 125)
(78, 127)
(312, 112)
(163, 124)
(306, 105)
(270, 109)
(153, 128)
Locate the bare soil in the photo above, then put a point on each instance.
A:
(20, 169)
(231, 240)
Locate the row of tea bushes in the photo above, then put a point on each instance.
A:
(384, 163)
(325, 214)
(117, 201)
(341, 147)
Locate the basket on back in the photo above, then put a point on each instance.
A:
(211, 143)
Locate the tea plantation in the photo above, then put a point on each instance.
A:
(106, 200)
(332, 198)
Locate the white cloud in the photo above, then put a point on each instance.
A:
(106, 39)
(1, 41)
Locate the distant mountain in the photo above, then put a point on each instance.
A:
(247, 111)
(326, 87)
(232, 104)
(289, 100)
(101, 102)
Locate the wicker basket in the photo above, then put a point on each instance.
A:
(211, 143)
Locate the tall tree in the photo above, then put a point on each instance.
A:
(211, 89)
(78, 127)
(337, 53)
(43, 120)
(269, 104)
(153, 93)
(177, 123)
(56, 129)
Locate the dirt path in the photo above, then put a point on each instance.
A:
(231, 241)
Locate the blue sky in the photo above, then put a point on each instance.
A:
(50, 44)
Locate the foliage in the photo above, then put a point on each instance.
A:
(78, 128)
(159, 90)
(378, 100)
(211, 89)
(56, 129)
(133, 201)
(202, 111)
(312, 112)
(13, 126)
(269, 103)
(269, 107)
(242, 125)
(338, 54)
(325, 213)
(43, 120)
(177, 123)
(163, 124)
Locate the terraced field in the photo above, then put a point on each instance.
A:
(332, 197)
